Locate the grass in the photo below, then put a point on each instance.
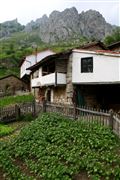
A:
(11, 100)
(5, 130)
(54, 148)
(11, 130)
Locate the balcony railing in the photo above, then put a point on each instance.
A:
(50, 79)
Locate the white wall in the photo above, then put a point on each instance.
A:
(106, 68)
(48, 80)
(40, 72)
(61, 78)
(29, 61)
(44, 54)
(33, 59)
(44, 80)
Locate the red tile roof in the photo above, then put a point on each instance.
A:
(107, 51)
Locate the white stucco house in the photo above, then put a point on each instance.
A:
(95, 67)
(96, 78)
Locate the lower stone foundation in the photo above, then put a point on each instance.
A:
(59, 95)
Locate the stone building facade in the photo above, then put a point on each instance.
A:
(70, 87)
(53, 65)
(54, 68)
(12, 83)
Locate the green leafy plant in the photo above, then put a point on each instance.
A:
(54, 147)
(5, 130)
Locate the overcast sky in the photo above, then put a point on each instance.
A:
(27, 10)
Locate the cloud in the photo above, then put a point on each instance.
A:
(27, 10)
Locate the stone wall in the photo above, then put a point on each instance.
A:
(59, 95)
(39, 93)
(69, 85)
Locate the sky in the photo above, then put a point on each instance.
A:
(27, 10)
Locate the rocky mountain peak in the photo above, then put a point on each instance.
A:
(60, 26)
(9, 27)
(70, 24)
(93, 25)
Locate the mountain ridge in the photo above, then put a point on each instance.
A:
(70, 24)
(63, 26)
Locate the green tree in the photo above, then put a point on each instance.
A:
(114, 37)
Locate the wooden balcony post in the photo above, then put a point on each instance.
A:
(55, 78)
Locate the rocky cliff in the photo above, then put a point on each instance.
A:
(70, 24)
(62, 26)
(9, 27)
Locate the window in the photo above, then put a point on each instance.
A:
(87, 65)
(48, 69)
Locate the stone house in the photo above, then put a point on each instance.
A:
(11, 84)
(88, 75)
(51, 78)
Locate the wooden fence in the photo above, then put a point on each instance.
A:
(87, 114)
(109, 119)
(13, 113)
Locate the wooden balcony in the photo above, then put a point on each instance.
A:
(49, 79)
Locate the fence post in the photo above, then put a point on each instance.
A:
(111, 118)
(34, 108)
(0, 114)
(75, 112)
(44, 106)
(17, 111)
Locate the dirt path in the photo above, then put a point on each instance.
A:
(1, 175)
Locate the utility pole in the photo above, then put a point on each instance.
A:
(34, 46)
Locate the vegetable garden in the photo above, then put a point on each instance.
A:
(57, 148)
